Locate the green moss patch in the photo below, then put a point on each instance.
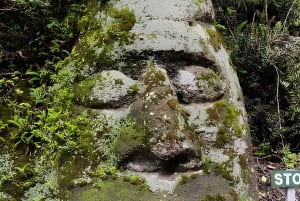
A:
(227, 115)
(131, 137)
(222, 138)
(215, 39)
(199, 2)
(208, 80)
(124, 17)
(245, 168)
(204, 46)
(99, 37)
(119, 189)
(153, 77)
(224, 112)
(221, 169)
(213, 197)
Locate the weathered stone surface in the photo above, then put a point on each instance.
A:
(198, 84)
(168, 25)
(157, 108)
(188, 110)
(108, 89)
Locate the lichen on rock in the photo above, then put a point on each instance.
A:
(198, 84)
(104, 30)
(108, 89)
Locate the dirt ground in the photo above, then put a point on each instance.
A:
(263, 169)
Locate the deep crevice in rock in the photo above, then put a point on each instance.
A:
(172, 60)
(148, 162)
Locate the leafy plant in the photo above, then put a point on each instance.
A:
(289, 158)
(256, 32)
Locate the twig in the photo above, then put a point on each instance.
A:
(266, 11)
(277, 101)
(226, 20)
(277, 96)
(8, 9)
(287, 15)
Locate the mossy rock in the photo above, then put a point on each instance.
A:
(196, 84)
(132, 137)
(215, 39)
(159, 109)
(213, 197)
(103, 39)
(108, 89)
(119, 189)
(227, 116)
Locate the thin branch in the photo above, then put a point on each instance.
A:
(266, 10)
(287, 15)
(226, 20)
(277, 101)
(277, 96)
(8, 9)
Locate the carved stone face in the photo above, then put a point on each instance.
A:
(158, 104)
(160, 109)
(173, 89)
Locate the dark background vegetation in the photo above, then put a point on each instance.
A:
(261, 37)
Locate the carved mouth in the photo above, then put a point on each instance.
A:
(148, 162)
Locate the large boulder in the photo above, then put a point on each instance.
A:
(187, 112)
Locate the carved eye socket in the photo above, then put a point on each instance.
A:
(191, 76)
(194, 84)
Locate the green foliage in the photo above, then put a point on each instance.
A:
(289, 158)
(38, 123)
(48, 26)
(267, 61)
(134, 89)
(105, 171)
(41, 76)
(274, 63)
(41, 191)
(6, 168)
(230, 11)
(47, 126)
(263, 150)
(33, 3)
